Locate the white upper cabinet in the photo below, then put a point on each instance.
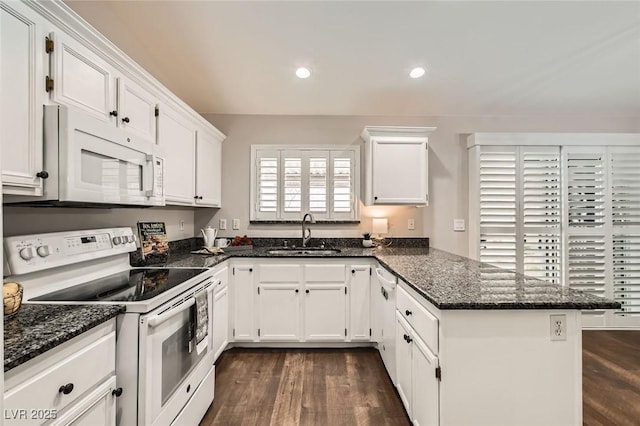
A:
(209, 169)
(136, 109)
(81, 78)
(177, 143)
(22, 66)
(396, 165)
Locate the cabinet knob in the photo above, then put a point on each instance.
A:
(113, 113)
(407, 338)
(307, 291)
(117, 392)
(200, 197)
(250, 269)
(125, 120)
(375, 198)
(297, 290)
(353, 271)
(66, 389)
(408, 312)
(43, 174)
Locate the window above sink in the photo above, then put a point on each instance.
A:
(288, 181)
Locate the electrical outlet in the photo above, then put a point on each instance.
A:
(411, 224)
(182, 225)
(223, 224)
(458, 225)
(558, 327)
(235, 223)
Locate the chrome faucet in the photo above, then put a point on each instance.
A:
(306, 232)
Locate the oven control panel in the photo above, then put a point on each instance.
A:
(30, 253)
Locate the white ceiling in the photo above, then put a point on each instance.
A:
(483, 58)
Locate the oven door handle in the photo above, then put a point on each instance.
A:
(156, 320)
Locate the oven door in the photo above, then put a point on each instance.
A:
(171, 368)
(102, 163)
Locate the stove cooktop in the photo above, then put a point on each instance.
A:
(128, 286)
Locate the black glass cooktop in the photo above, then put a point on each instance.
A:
(127, 286)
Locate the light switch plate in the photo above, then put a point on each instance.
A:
(458, 225)
(411, 224)
(235, 223)
(223, 224)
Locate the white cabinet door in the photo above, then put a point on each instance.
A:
(360, 303)
(279, 312)
(244, 291)
(220, 320)
(82, 79)
(425, 385)
(22, 67)
(96, 409)
(136, 110)
(208, 170)
(403, 362)
(325, 312)
(177, 142)
(400, 172)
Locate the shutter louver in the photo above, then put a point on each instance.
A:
(267, 185)
(292, 192)
(541, 213)
(498, 207)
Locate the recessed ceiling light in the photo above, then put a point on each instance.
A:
(303, 72)
(417, 72)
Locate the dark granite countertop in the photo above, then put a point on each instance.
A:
(446, 280)
(36, 328)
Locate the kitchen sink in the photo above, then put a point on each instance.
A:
(304, 251)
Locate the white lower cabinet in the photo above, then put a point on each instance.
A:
(301, 301)
(72, 384)
(324, 312)
(244, 327)
(416, 374)
(220, 315)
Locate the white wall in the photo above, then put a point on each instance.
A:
(447, 166)
(447, 180)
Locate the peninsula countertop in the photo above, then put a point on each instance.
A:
(446, 280)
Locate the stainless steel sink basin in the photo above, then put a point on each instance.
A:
(305, 251)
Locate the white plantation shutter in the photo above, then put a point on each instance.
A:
(588, 255)
(624, 166)
(343, 183)
(286, 183)
(520, 209)
(267, 183)
(541, 212)
(498, 199)
(318, 174)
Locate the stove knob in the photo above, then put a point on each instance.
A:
(117, 240)
(43, 251)
(26, 253)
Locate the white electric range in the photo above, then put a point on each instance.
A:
(166, 378)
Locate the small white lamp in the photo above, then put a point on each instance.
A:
(379, 226)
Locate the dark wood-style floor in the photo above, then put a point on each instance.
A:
(303, 387)
(611, 377)
(351, 387)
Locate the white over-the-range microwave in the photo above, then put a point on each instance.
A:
(90, 162)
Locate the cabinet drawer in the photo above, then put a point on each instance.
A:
(84, 369)
(325, 273)
(422, 321)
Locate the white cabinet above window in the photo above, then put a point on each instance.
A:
(396, 165)
(289, 181)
